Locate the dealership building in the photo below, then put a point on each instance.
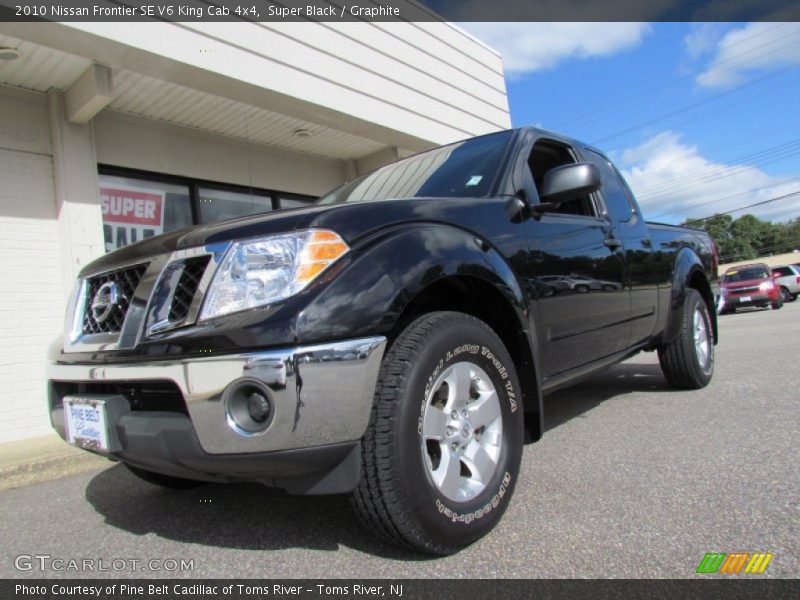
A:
(111, 132)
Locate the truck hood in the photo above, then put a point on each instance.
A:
(200, 235)
(351, 221)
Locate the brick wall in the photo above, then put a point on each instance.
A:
(31, 287)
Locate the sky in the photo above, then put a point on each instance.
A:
(700, 117)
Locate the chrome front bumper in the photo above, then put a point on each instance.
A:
(321, 394)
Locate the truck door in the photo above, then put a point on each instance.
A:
(575, 271)
(641, 270)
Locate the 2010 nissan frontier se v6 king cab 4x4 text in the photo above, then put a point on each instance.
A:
(391, 341)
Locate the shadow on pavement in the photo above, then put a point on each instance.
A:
(621, 379)
(245, 516)
(253, 517)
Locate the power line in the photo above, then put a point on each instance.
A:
(665, 74)
(618, 106)
(731, 105)
(751, 191)
(701, 179)
(730, 142)
(699, 103)
(749, 158)
(763, 202)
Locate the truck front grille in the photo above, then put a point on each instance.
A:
(125, 281)
(744, 290)
(189, 282)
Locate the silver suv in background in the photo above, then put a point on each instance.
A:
(788, 278)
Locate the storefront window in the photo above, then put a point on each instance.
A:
(220, 205)
(135, 209)
(293, 202)
(137, 205)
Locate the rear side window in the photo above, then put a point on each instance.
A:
(745, 274)
(614, 189)
(782, 271)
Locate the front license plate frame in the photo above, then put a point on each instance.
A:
(90, 421)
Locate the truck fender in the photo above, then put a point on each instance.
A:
(392, 268)
(687, 273)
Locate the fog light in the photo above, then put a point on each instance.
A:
(258, 406)
(249, 408)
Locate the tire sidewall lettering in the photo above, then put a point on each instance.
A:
(468, 518)
(458, 352)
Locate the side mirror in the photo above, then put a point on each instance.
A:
(569, 182)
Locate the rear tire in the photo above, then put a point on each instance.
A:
(688, 361)
(165, 481)
(438, 491)
(785, 296)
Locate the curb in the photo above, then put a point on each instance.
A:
(36, 460)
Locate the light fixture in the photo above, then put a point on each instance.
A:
(9, 54)
(302, 133)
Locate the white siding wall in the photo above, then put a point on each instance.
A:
(405, 84)
(136, 143)
(31, 289)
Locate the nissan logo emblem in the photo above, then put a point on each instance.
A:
(105, 299)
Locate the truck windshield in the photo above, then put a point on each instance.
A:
(461, 170)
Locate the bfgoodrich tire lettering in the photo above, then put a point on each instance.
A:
(397, 498)
(688, 361)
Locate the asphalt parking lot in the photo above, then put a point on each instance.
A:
(632, 479)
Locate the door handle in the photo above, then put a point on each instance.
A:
(647, 242)
(612, 243)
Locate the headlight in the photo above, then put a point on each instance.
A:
(265, 271)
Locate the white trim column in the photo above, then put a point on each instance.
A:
(80, 221)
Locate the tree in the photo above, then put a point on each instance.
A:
(749, 237)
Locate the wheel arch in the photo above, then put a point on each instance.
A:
(481, 299)
(445, 268)
(688, 274)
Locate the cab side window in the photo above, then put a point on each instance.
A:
(546, 155)
(616, 193)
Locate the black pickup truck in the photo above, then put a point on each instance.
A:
(391, 341)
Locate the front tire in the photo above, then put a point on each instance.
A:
(785, 296)
(688, 361)
(441, 454)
